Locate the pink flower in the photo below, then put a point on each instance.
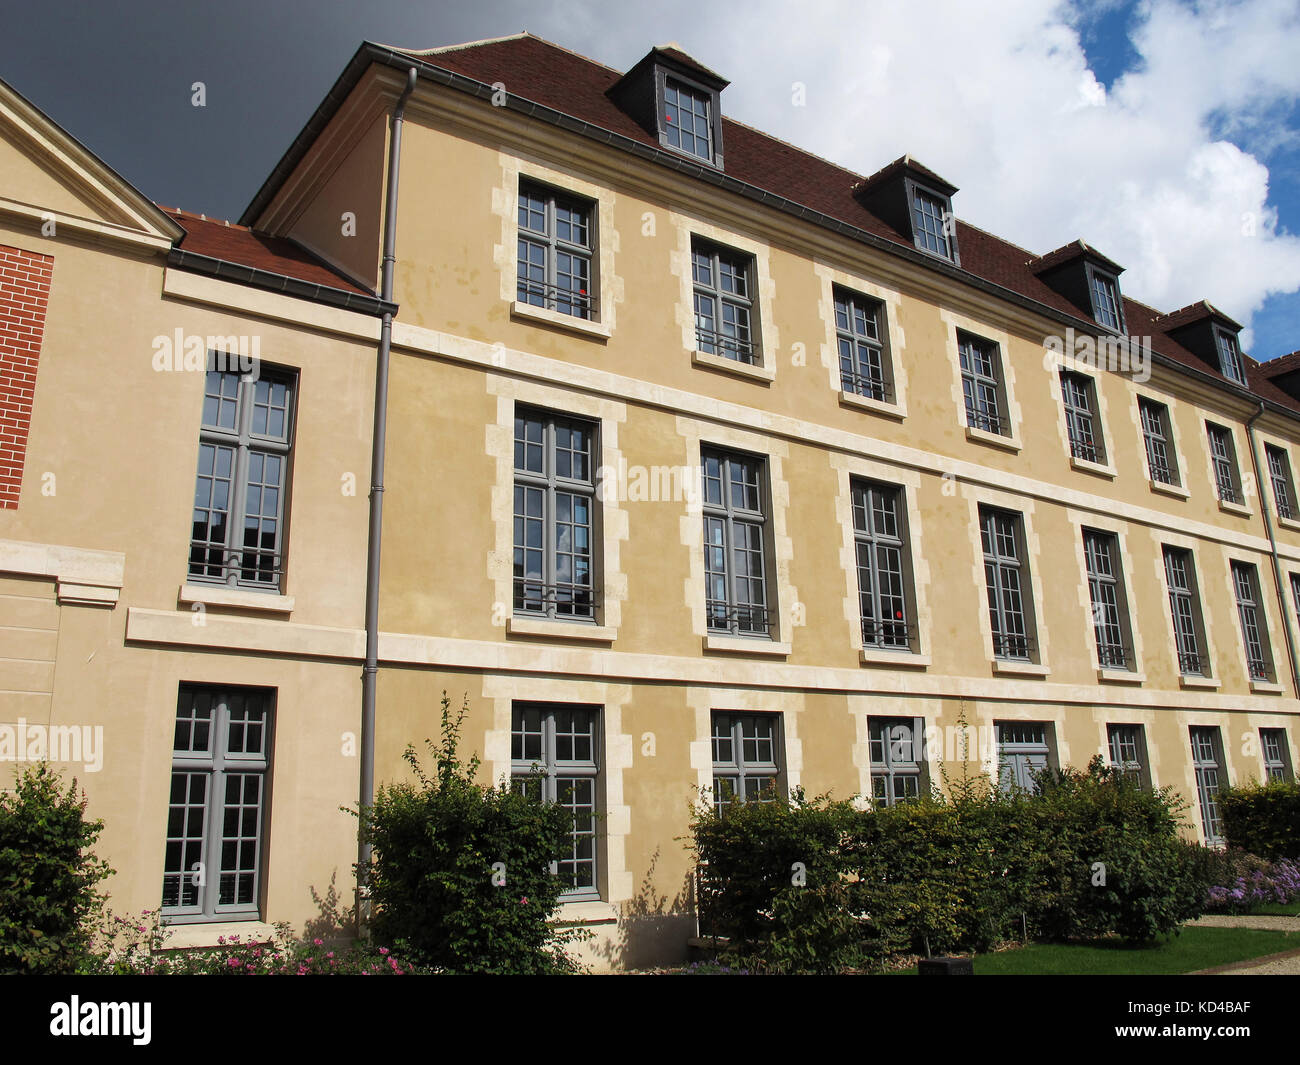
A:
(233, 962)
(383, 950)
(330, 954)
(319, 942)
(523, 902)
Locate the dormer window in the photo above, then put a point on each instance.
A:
(1229, 356)
(1105, 300)
(931, 221)
(686, 120)
(676, 100)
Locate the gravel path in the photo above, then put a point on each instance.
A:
(1272, 923)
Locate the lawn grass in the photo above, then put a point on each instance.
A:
(1196, 948)
(1278, 909)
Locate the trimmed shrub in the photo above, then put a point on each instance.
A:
(48, 875)
(1263, 819)
(461, 875)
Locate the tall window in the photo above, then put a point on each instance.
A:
(735, 563)
(1181, 578)
(555, 251)
(1023, 753)
(980, 384)
(1156, 433)
(688, 127)
(1109, 610)
(1006, 581)
(1230, 357)
(1224, 457)
(1128, 751)
(878, 534)
(930, 222)
(724, 302)
(897, 760)
(216, 818)
(1279, 472)
(1277, 754)
(1085, 441)
(1207, 761)
(859, 328)
(239, 496)
(1259, 656)
(555, 493)
(555, 757)
(1105, 300)
(746, 758)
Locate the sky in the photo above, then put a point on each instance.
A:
(1164, 133)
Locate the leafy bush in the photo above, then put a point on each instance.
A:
(1263, 819)
(433, 884)
(48, 875)
(1237, 881)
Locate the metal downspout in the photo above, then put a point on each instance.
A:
(370, 672)
(1272, 544)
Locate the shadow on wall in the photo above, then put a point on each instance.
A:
(653, 930)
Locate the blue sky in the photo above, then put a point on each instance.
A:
(1164, 132)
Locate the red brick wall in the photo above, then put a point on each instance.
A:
(24, 293)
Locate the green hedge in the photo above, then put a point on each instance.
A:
(1263, 819)
(1091, 854)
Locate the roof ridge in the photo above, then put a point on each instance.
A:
(180, 212)
(521, 35)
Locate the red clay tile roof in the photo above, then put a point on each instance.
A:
(1067, 252)
(690, 62)
(233, 243)
(1191, 313)
(1283, 364)
(906, 162)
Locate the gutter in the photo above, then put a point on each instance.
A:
(194, 263)
(370, 53)
(1272, 544)
(370, 671)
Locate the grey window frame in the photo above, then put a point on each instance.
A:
(1082, 423)
(1211, 777)
(896, 750)
(1158, 438)
(1127, 748)
(696, 88)
(747, 351)
(740, 768)
(552, 486)
(1006, 575)
(250, 449)
(729, 616)
(1275, 751)
(1231, 363)
(548, 239)
(1185, 612)
(919, 194)
(218, 764)
(1223, 459)
(1279, 473)
(550, 773)
(980, 389)
(875, 547)
(1022, 756)
(1110, 613)
(1109, 284)
(853, 331)
(1254, 629)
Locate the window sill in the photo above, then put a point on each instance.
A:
(216, 595)
(1288, 523)
(745, 646)
(1170, 489)
(1208, 683)
(188, 936)
(570, 322)
(762, 374)
(1099, 469)
(1268, 687)
(983, 436)
(876, 406)
(1121, 676)
(585, 913)
(1022, 669)
(560, 630)
(871, 656)
(1235, 508)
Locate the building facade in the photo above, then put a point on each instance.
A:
(712, 469)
